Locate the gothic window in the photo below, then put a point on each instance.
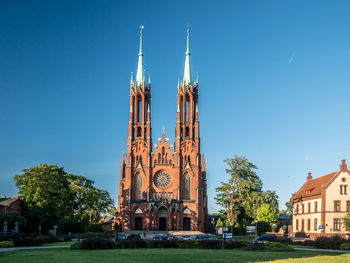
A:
(159, 158)
(138, 187)
(187, 184)
(139, 131)
(187, 132)
(137, 158)
(145, 109)
(166, 158)
(140, 159)
(187, 108)
(181, 105)
(139, 108)
(163, 151)
(189, 159)
(145, 133)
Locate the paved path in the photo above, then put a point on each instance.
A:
(23, 248)
(322, 250)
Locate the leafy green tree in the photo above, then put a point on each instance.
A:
(112, 211)
(233, 194)
(46, 193)
(219, 223)
(267, 213)
(346, 221)
(271, 198)
(11, 219)
(288, 210)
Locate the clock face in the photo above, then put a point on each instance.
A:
(162, 180)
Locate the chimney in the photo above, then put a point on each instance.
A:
(3, 196)
(309, 177)
(16, 196)
(343, 166)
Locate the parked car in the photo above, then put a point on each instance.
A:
(157, 237)
(120, 236)
(211, 236)
(133, 237)
(202, 237)
(169, 237)
(186, 237)
(266, 236)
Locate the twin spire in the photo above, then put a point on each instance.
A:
(140, 74)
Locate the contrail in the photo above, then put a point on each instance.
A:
(291, 58)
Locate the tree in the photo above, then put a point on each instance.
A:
(242, 182)
(112, 211)
(289, 208)
(219, 223)
(46, 193)
(346, 221)
(271, 198)
(11, 219)
(267, 213)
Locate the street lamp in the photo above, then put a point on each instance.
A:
(256, 229)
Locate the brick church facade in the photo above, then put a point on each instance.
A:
(163, 187)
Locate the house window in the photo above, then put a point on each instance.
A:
(315, 224)
(337, 206)
(309, 224)
(347, 206)
(309, 207)
(341, 189)
(297, 225)
(302, 224)
(336, 224)
(302, 208)
(345, 189)
(315, 207)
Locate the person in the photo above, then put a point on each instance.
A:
(70, 236)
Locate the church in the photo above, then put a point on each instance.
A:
(163, 186)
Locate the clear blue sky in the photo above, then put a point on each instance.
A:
(274, 82)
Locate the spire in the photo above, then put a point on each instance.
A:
(140, 75)
(187, 73)
(149, 79)
(131, 80)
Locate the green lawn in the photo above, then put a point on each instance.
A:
(166, 255)
(65, 243)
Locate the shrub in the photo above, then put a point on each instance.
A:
(255, 246)
(286, 240)
(11, 219)
(66, 225)
(309, 242)
(277, 246)
(210, 244)
(234, 244)
(345, 246)
(23, 241)
(332, 242)
(95, 228)
(6, 244)
(132, 244)
(92, 243)
(76, 245)
(188, 244)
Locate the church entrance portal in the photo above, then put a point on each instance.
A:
(163, 219)
(138, 223)
(187, 224)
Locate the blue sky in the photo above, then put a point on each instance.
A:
(273, 82)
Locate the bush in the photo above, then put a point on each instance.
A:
(210, 244)
(95, 228)
(234, 244)
(332, 242)
(345, 246)
(255, 246)
(76, 245)
(300, 234)
(277, 246)
(286, 240)
(24, 241)
(92, 243)
(6, 244)
(11, 219)
(131, 244)
(188, 243)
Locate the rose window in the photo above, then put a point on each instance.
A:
(162, 180)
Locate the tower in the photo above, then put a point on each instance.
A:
(163, 187)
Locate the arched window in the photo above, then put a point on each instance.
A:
(187, 108)
(187, 132)
(187, 189)
(140, 159)
(145, 133)
(181, 105)
(189, 159)
(138, 187)
(166, 158)
(145, 109)
(139, 131)
(137, 158)
(159, 158)
(139, 108)
(163, 150)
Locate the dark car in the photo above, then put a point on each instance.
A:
(266, 236)
(157, 237)
(169, 237)
(133, 237)
(120, 236)
(202, 237)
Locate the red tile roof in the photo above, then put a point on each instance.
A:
(313, 187)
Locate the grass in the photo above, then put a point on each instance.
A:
(167, 255)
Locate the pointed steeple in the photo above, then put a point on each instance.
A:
(187, 73)
(131, 80)
(140, 75)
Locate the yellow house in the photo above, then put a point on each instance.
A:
(321, 203)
